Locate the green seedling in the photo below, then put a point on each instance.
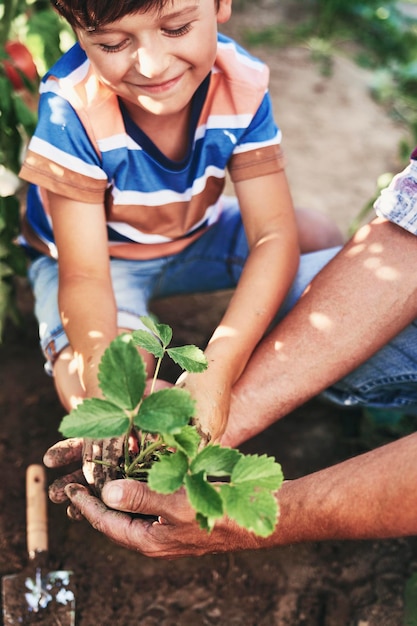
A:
(166, 453)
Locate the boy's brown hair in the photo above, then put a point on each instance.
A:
(93, 14)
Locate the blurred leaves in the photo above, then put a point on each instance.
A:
(39, 28)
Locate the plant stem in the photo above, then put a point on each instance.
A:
(156, 372)
(143, 454)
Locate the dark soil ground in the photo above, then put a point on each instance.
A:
(328, 584)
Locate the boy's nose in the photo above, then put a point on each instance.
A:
(151, 62)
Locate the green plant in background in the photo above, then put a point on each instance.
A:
(218, 481)
(31, 39)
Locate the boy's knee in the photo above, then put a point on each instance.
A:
(317, 231)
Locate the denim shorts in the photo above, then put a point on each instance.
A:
(215, 262)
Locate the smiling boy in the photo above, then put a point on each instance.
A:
(138, 124)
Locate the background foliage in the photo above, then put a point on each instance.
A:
(38, 27)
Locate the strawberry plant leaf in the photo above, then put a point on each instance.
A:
(189, 358)
(215, 461)
(204, 523)
(165, 411)
(148, 342)
(254, 509)
(162, 331)
(122, 373)
(95, 418)
(187, 440)
(257, 471)
(167, 474)
(204, 498)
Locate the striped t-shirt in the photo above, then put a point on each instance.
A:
(87, 148)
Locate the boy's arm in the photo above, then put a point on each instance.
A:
(271, 230)
(364, 297)
(86, 299)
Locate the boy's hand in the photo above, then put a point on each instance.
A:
(212, 396)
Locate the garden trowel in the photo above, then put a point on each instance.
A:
(36, 595)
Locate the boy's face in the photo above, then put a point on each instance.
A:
(157, 60)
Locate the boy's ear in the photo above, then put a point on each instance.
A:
(224, 11)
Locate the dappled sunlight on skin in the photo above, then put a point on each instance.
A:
(382, 272)
(371, 256)
(94, 334)
(374, 256)
(362, 234)
(278, 346)
(376, 248)
(223, 331)
(387, 273)
(320, 321)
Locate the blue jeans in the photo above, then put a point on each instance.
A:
(215, 262)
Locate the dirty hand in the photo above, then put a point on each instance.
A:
(82, 452)
(171, 530)
(212, 394)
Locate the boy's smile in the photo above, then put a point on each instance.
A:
(155, 61)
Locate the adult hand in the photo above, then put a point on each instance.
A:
(171, 532)
(85, 453)
(82, 452)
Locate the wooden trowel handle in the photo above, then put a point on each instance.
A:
(36, 510)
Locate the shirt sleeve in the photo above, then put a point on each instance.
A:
(60, 156)
(258, 152)
(398, 202)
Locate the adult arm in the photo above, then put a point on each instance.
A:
(371, 496)
(364, 297)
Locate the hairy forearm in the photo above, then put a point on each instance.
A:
(371, 496)
(356, 304)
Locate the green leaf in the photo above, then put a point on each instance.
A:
(162, 331)
(255, 510)
(5, 270)
(258, 471)
(187, 440)
(204, 523)
(122, 374)
(167, 474)
(165, 411)
(204, 498)
(148, 342)
(190, 358)
(95, 418)
(215, 461)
